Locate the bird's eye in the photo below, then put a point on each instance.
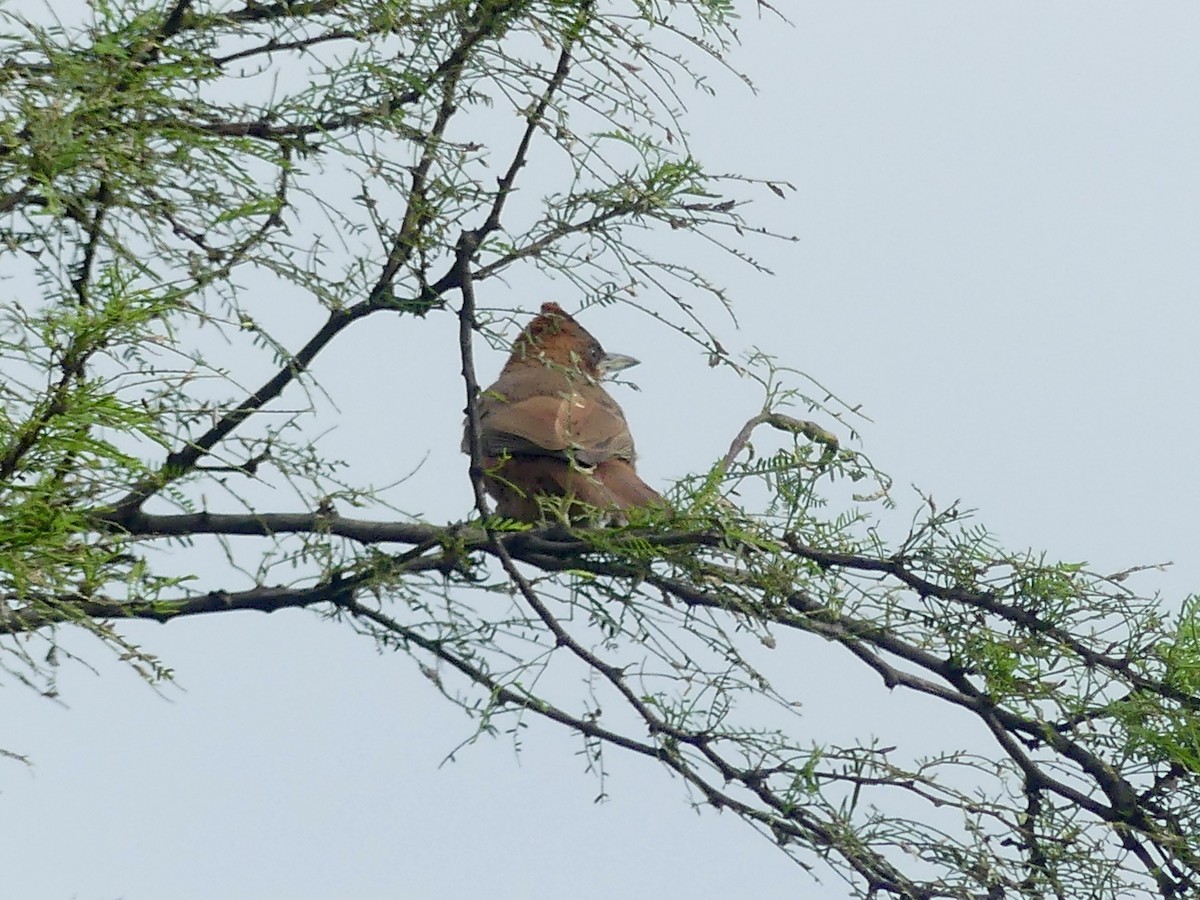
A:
(596, 353)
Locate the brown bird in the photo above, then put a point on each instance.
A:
(548, 428)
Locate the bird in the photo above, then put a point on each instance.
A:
(547, 428)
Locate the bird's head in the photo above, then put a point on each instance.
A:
(555, 339)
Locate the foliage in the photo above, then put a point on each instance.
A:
(157, 167)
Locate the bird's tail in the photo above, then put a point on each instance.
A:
(616, 482)
(610, 485)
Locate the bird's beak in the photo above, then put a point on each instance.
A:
(611, 363)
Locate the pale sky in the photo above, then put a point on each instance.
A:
(998, 213)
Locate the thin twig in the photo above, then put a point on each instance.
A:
(810, 430)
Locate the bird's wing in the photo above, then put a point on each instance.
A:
(587, 428)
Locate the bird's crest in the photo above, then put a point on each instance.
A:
(551, 319)
(555, 338)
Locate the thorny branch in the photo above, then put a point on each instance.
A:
(1147, 832)
(469, 243)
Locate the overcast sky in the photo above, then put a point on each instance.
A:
(998, 212)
